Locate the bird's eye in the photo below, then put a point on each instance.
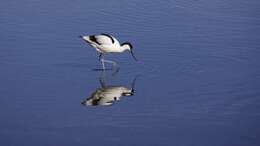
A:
(114, 98)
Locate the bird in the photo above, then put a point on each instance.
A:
(107, 95)
(105, 44)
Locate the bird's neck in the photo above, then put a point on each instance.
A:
(124, 48)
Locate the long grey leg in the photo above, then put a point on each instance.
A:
(103, 63)
(100, 58)
(109, 61)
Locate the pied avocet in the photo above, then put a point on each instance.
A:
(105, 44)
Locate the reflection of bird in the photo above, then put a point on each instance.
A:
(105, 44)
(106, 95)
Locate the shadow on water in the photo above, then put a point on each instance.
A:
(107, 95)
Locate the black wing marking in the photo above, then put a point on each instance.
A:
(109, 37)
(93, 38)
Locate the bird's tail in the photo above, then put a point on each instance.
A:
(85, 38)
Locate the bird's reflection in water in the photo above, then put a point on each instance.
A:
(107, 95)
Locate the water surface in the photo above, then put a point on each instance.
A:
(198, 75)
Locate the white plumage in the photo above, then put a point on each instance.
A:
(107, 95)
(105, 44)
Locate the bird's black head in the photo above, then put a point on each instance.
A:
(127, 45)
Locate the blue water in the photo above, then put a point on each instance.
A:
(197, 82)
